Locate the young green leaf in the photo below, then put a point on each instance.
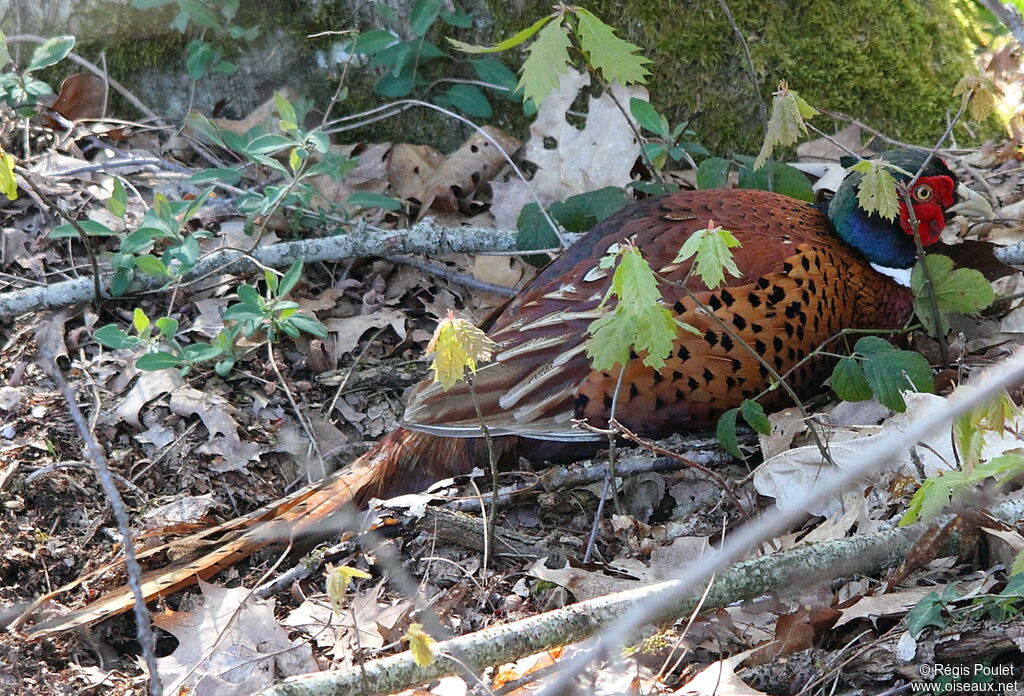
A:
(711, 247)
(338, 579)
(457, 346)
(979, 94)
(726, 433)
(877, 192)
(117, 204)
(648, 117)
(508, 43)
(640, 320)
(963, 290)
(890, 371)
(616, 58)
(547, 61)
(753, 414)
(423, 14)
(366, 199)
(8, 184)
(786, 123)
(848, 381)
(286, 111)
(113, 337)
(151, 362)
(713, 173)
(50, 52)
(469, 100)
(421, 645)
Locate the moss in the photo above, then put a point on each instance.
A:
(890, 63)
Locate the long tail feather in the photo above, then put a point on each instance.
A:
(304, 513)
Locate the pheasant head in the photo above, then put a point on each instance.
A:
(934, 196)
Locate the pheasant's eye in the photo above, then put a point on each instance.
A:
(923, 193)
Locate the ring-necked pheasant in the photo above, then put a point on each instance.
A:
(805, 275)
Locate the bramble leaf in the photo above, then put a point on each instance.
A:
(963, 290)
(848, 381)
(890, 371)
(753, 414)
(726, 433)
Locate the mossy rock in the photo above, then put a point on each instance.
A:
(891, 64)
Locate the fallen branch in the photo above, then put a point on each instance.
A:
(425, 237)
(868, 553)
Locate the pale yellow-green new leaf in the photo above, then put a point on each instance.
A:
(877, 192)
(457, 346)
(8, 184)
(979, 93)
(421, 645)
(337, 584)
(616, 58)
(786, 123)
(547, 62)
(713, 259)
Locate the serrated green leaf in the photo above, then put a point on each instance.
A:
(616, 58)
(634, 283)
(508, 43)
(656, 332)
(610, 339)
(963, 290)
(890, 371)
(753, 413)
(712, 258)
(725, 431)
(547, 61)
(50, 52)
(877, 192)
(848, 381)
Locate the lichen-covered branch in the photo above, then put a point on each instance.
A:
(868, 553)
(426, 237)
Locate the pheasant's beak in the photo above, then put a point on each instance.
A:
(972, 204)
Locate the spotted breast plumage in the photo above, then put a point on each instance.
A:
(805, 274)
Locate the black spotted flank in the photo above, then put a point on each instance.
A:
(727, 343)
(727, 298)
(754, 299)
(739, 322)
(684, 355)
(715, 303)
(708, 375)
(777, 295)
(711, 337)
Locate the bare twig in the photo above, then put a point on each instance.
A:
(94, 453)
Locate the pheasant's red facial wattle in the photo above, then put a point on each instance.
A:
(931, 196)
